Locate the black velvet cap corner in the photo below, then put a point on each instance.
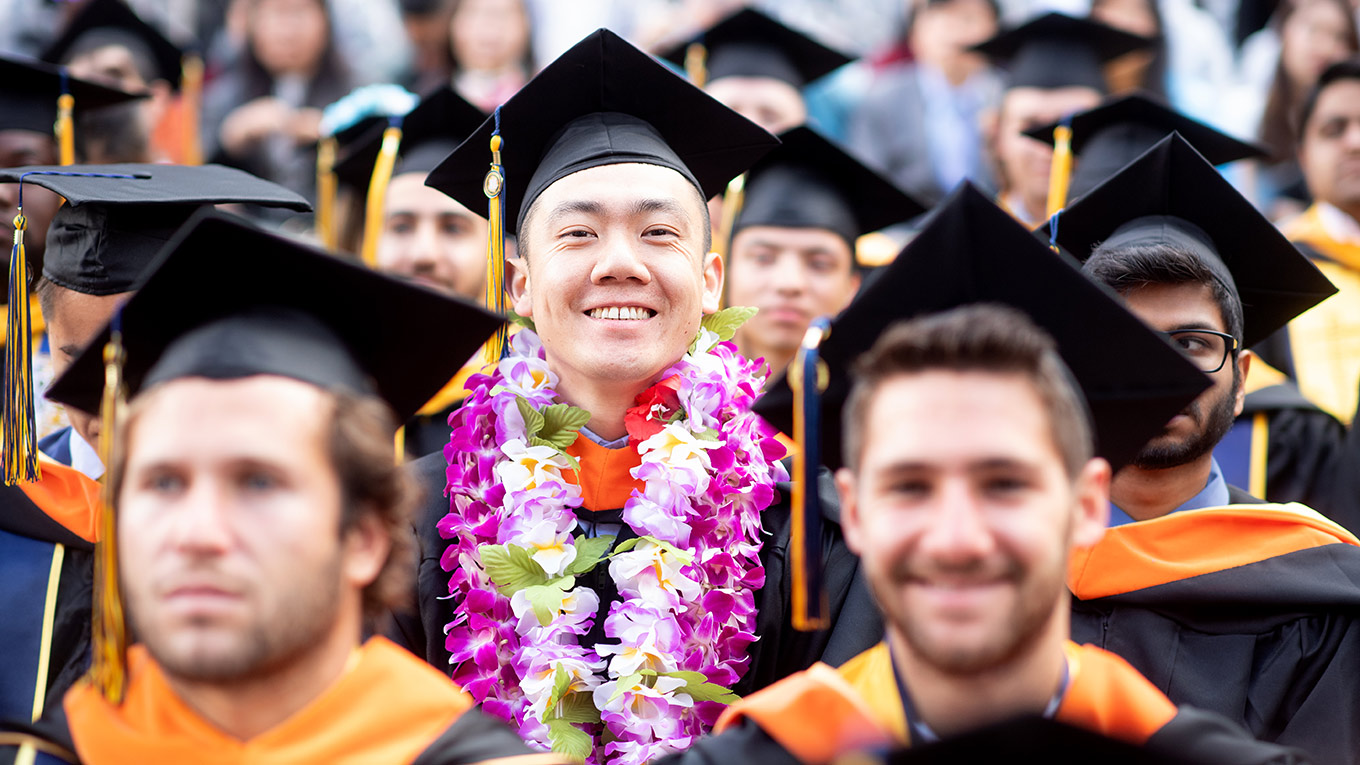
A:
(602, 102)
(113, 22)
(748, 43)
(117, 217)
(809, 182)
(971, 251)
(227, 300)
(1058, 51)
(29, 91)
(1171, 194)
(1116, 132)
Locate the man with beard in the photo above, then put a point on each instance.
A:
(1222, 600)
(970, 476)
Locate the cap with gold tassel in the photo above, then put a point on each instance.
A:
(494, 186)
(325, 192)
(191, 104)
(64, 129)
(808, 378)
(108, 666)
(377, 191)
(19, 420)
(1060, 172)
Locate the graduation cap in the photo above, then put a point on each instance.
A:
(1172, 195)
(204, 312)
(111, 22)
(1033, 738)
(117, 217)
(971, 251)
(809, 182)
(1059, 51)
(29, 92)
(429, 133)
(1115, 133)
(603, 102)
(749, 43)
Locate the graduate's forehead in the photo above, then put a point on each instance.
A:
(628, 188)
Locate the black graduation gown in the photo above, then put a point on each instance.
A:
(1271, 642)
(780, 650)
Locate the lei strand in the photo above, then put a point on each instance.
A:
(677, 638)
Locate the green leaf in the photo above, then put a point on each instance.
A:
(546, 599)
(626, 545)
(562, 423)
(569, 740)
(724, 323)
(626, 683)
(578, 707)
(533, 421)
(511, 567)
(589, 551)
(693, 678)
(685, 558)
(561, 682)
(523, 321)
(572, 462)
(700, 689)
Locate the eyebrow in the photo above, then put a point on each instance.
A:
(670, 206)
(71, 349)
(575, 207)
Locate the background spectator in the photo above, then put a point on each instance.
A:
(492, 57)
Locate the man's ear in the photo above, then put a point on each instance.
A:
(517, 283)
(713, 282)
(366, 547)
(846, 486)
(1092, 500)
(1244, 358)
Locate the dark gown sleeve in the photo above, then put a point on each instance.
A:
(421, 630)
(1194, 735)
(477, 738)
(745, 743)
(49, 739)
(1305, 463)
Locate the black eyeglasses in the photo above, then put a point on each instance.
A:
(1205, 348)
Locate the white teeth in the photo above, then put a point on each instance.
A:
(623, 313)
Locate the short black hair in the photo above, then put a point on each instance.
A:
(1341, 71)
(1124, 269)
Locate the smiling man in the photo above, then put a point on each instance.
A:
(617, 423)
(1222, 600)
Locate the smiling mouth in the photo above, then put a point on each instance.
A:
(621, 313)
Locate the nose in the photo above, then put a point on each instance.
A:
(619, 261)
(424, 251)
(789, 274)
(202, 524)
(9, 196)
(958, 533)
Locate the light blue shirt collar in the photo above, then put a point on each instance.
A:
(1214, 494)
(617, 443)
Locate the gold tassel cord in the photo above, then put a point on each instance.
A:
(1060, 172)
(108, 670)
(19, 421)
(493, 186)
(65, 129)
(733, 200)
(325, 192)
(191, 102)
(696, 64)
(809, 600)
(377, 194)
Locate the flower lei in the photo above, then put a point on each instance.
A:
(679, 633)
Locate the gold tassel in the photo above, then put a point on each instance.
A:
(1060, 172)
(191, 102)
(325, 192)
(108, 669)
(809, 601)
(492, 186)
(696, 64)
(377, 194)
(733, 199)
(65, 128)
(19, 421)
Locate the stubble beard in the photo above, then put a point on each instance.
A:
(1159, 455)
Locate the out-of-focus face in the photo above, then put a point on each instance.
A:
(793, 275)
(963, 515)
(614, 273)
(17, 149)
(73, 320)
(942, 33)
(289, 36)
(1330, 151)
(1023, 161)
(770, 103)
(1313, 38)
(430, 238)
(1133, 16)
(489, 34)
(109, 65)
(229, 517)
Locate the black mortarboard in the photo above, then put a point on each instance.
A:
(749, 43)
(1110, 136)
(204, 310)
(429, 133)
(602, 102)
(117, 217)
(809, 182)
(1058, 51)
(1044, 740)
(1172, 195)
(112, 22)
(29, 91)
(971, 251)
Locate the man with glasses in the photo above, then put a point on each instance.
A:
(1224, 601)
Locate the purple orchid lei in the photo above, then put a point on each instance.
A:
(678, 635)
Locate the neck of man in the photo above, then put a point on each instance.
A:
(247, 707)
(1151, 493)
(777, 359)
(950, 703)
(606, 400)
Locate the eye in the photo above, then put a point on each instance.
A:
(657, 231)
(576, 233)
(258, 481)
(163, 482)
(909, 488)
(1004, 485)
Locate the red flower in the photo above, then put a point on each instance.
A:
(654, 408)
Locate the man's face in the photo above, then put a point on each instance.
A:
(614, 274)
(229, 517)
(793, 275)
(942, 33)
(73, 321)
(770, 103)
(430, 238)
(1194, 432)
(1330, 152)
(111, 65)
(963, 515)
(19, 148)
(1025, 161)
